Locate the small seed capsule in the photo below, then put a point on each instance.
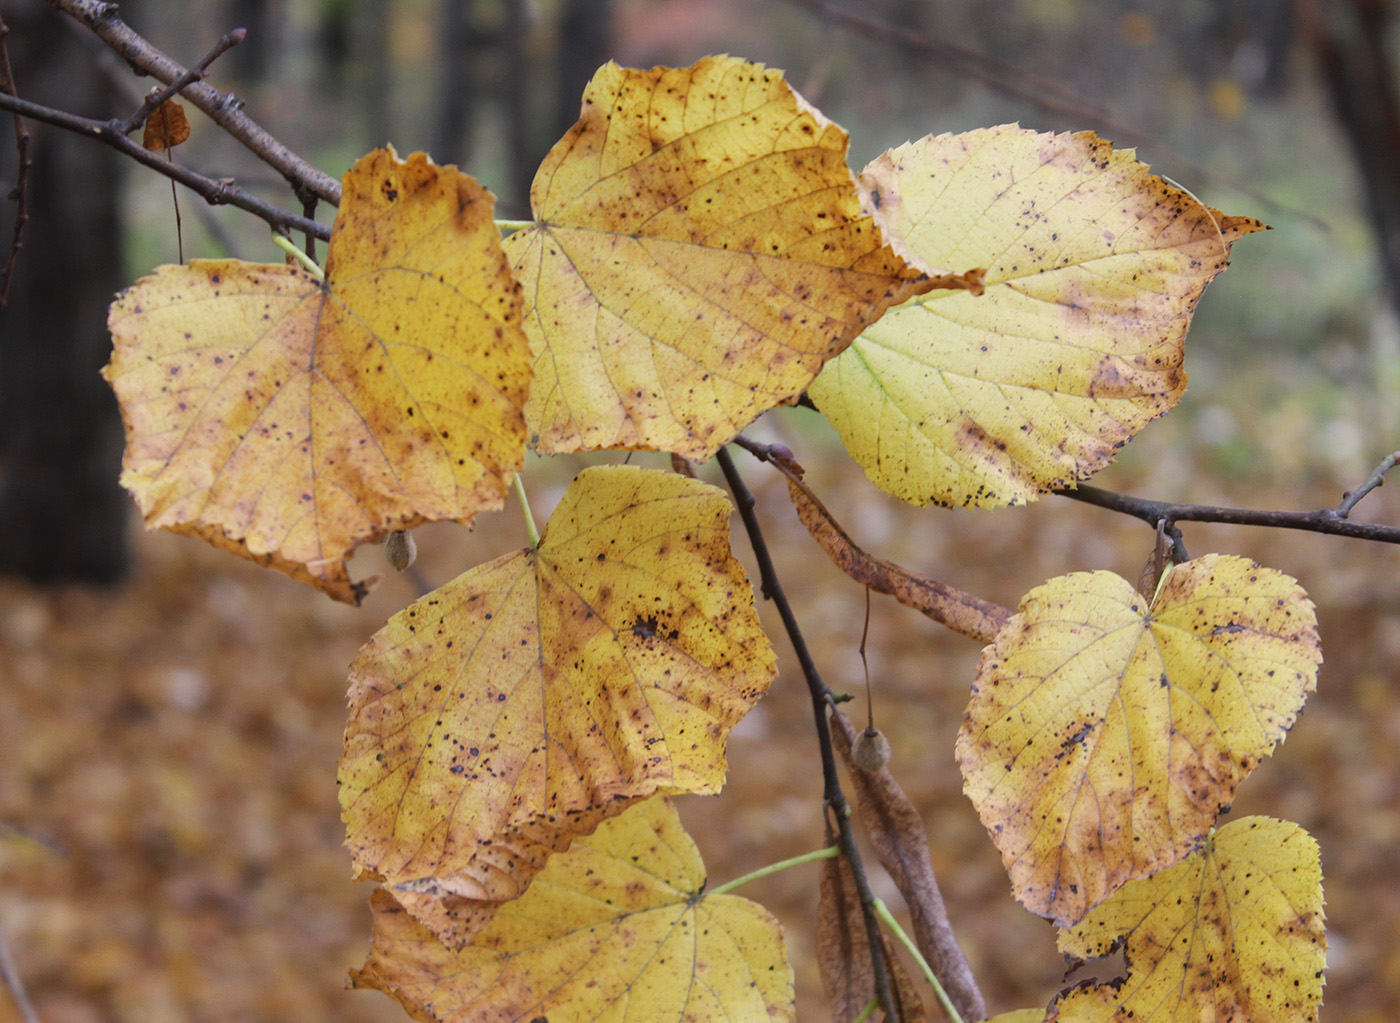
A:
(871, 750)
(400, 549)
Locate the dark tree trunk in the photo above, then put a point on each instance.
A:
(585, 43)
(62, 513)
(1349, 38)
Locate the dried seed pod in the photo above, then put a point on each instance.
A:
(400, 549)
(871, 750)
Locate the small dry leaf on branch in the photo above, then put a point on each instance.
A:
(166, 127)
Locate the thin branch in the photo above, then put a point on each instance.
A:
(20, 192)
(821, 699)
(152, 102)
(1043, 93)
(220, 192)
(224, 109)
(1376, 479)
(1325, 520)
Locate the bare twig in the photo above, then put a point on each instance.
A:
(153, 102)
(216, 192)
(1325, 520)
(1376, 479)
(225, 109)
(821, 700)
(10, 973)
(20, 192)
(1043, 93)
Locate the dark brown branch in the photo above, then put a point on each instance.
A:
(1326, 520)
(821, 700)
(220, 192)
(22, 163)
(224, 109)
(152, 102)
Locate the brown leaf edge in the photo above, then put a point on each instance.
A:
(956, 609)
(896, 833)
(843, 950)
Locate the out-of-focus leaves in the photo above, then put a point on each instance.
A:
(616, 928)
(289, 420)
(1233, 934)
(512, 710)
(1093, 269)
(699, 252)
(1104, 735)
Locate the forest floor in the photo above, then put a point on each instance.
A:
(170, 844)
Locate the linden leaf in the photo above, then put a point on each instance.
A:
(1232, 934)
(289, 420)
(1093, 268)
(698, 253)
(531, 698)
(1104, 735)
(616, 928)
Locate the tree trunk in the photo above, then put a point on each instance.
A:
(62, 513)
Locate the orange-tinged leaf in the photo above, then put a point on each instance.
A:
(531, 698)
(1234, 934)
(698, 253)
(289, 421)
(1104, 735)
(166, 126)
(1093, 269)
(614, 929)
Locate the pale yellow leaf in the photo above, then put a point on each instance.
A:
(1104, 735)
(614, 930)
(1093, 268)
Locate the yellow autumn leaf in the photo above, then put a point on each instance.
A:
(1104, 735)
(1233, 934)
(1093, 268)
(614, 929)
(289, 420)
(531, 698)
(698, 253)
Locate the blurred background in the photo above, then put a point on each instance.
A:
(170, 717)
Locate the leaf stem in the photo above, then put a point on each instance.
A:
(518, 485)
(893, 924)
(867, 1012)
(290, 248)
(824, 853)
(507, 226)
